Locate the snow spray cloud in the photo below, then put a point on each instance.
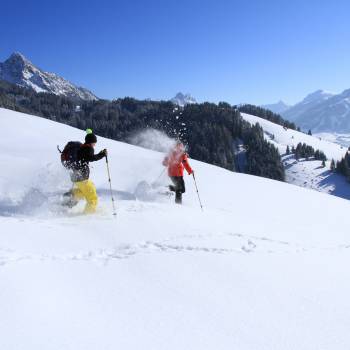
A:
(153, 139)
(38, 193)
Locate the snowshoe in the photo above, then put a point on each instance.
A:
(68, 200)
(145, 192)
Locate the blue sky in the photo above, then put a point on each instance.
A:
(234, 51)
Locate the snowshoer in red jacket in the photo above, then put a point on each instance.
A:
(177, 161)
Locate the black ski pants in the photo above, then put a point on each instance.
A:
(178, 188)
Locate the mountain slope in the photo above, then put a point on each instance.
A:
(20, 71)
(322, 112)
(300, 111)
(304, 173)
(253, 270)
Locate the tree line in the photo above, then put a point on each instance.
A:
(268, 115)
(305, 151)
(342, 166)
(208, 129)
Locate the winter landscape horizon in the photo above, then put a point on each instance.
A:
(174, 175)
(321, 111)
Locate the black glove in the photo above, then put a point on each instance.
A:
(104, 152)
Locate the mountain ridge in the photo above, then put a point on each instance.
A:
(277, 107)
(17, 69)
(322, 111)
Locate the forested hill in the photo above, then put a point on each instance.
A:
(208, 129)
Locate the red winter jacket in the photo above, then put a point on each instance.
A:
(176, 161)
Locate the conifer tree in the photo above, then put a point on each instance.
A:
(332, 165)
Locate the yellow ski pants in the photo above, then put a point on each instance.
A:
(86, 190)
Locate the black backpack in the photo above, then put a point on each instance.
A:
(69, 155)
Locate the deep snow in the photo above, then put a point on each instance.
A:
(265, 266)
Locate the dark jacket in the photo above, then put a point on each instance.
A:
(81, 170)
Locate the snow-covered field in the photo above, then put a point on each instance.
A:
(265, 266)
(341, 139)
(309, 174)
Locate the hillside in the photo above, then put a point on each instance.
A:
(309, 174)
(264, 262)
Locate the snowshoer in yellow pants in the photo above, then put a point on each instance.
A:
(86, 190)
(76, 157)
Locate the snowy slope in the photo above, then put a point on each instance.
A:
(18, 70)
(341, 139)
(291, 137)
(304, 173)
(265, 266)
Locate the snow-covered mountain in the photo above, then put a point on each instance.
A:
(20, 71)
(265, 261)
(322, 112)
(278, 107)
(299, 111)
(183, 99)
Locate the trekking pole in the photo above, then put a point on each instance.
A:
(160, 175)
(110, 187)
(199, 198)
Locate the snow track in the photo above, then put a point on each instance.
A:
(237, 243)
